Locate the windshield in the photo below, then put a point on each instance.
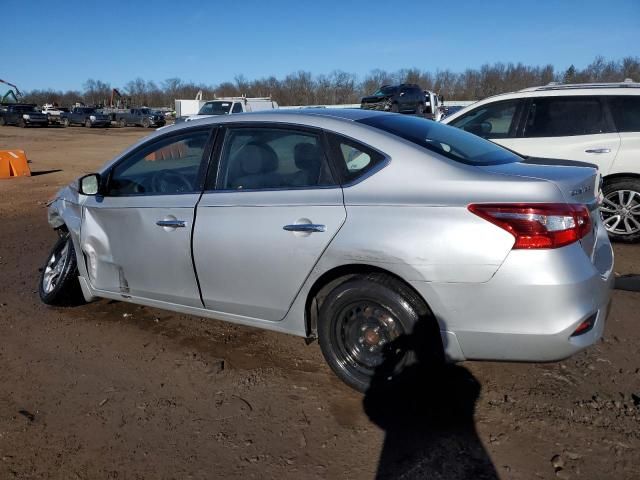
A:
(215, 108)
(448, 141)
(87, 110)
(386, 91)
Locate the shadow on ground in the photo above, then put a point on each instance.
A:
(44, 172)
(427, 415)
(630, 283)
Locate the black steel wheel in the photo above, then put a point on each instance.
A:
(59, 278)
(363, 327)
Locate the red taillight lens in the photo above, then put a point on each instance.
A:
(538, 225)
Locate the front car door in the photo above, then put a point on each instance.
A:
(265, 219)
(136, 237)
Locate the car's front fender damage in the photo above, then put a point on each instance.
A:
(65, 216)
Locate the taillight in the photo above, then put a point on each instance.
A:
(538, 225)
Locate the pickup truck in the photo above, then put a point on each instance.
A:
(231, 105)
(22, 115)
(140, 117)
(87, 116)
(54, 113)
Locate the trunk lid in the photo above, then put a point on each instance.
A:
(578, 185)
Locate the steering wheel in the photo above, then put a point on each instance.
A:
(170, 181)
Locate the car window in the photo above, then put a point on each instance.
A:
(565, 116)
(354, 160)
(260, 158)
(626, 113)
(166, 166)
(237, 108)
(447, 141)
(494, 120)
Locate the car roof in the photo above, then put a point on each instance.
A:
(556, 90)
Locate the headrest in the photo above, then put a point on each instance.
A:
(307, 156)
(257, 158)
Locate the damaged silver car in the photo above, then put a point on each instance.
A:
(353, 227)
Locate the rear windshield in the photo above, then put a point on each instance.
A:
(215, 108)
(448, 141)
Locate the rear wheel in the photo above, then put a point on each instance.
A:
(59, 278)
(364, 327)
(87, 123)
(146, 123)
(620, 209)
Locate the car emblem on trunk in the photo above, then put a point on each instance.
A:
(580, 191)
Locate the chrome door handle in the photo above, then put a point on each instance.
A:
(171, 223)
(597, 150)
(305, 227)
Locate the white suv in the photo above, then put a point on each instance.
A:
(594, 123)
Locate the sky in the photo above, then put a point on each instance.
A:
(61, 44)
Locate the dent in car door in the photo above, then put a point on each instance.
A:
(137, 238)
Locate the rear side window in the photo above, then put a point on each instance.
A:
(447, 141)
(626, 113)
(565, 117)
(354, 159)
(237, 108)
(495, 120)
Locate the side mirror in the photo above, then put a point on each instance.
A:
(89, 184)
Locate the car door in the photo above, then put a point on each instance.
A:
(136, 236)
(626, 114)
(567, 127)
(264, 221)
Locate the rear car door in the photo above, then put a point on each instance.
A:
(136, 237)
(567, 127)
(265, 219)
(626, 115)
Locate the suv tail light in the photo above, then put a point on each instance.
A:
(538, 225)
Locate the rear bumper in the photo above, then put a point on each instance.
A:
(530, 308)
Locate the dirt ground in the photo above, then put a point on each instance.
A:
(110, 390)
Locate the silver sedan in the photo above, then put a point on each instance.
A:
(391, 239)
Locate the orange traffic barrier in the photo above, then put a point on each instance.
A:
(13, 163)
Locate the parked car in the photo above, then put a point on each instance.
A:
(87, 116)
(22, 115)
(231, 105)
(54, 113)
(596, 123)
(140, 117)
(352, 226)
(403, 98)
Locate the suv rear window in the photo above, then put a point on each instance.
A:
(626, 113)
(447, 141)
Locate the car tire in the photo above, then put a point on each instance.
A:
(620, 209)
(363, 329)
(22, 123)
(87, 123)
(146, 123)
(122, 123)
(65, 122)
(420, 110)
(59, 283)
(3, 122)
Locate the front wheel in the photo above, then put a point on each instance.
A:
(620, 209)
(59, 278)
(65, 122)
(365, 330)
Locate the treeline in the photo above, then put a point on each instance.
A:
(338, 87)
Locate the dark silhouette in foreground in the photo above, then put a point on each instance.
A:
(427, 414)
